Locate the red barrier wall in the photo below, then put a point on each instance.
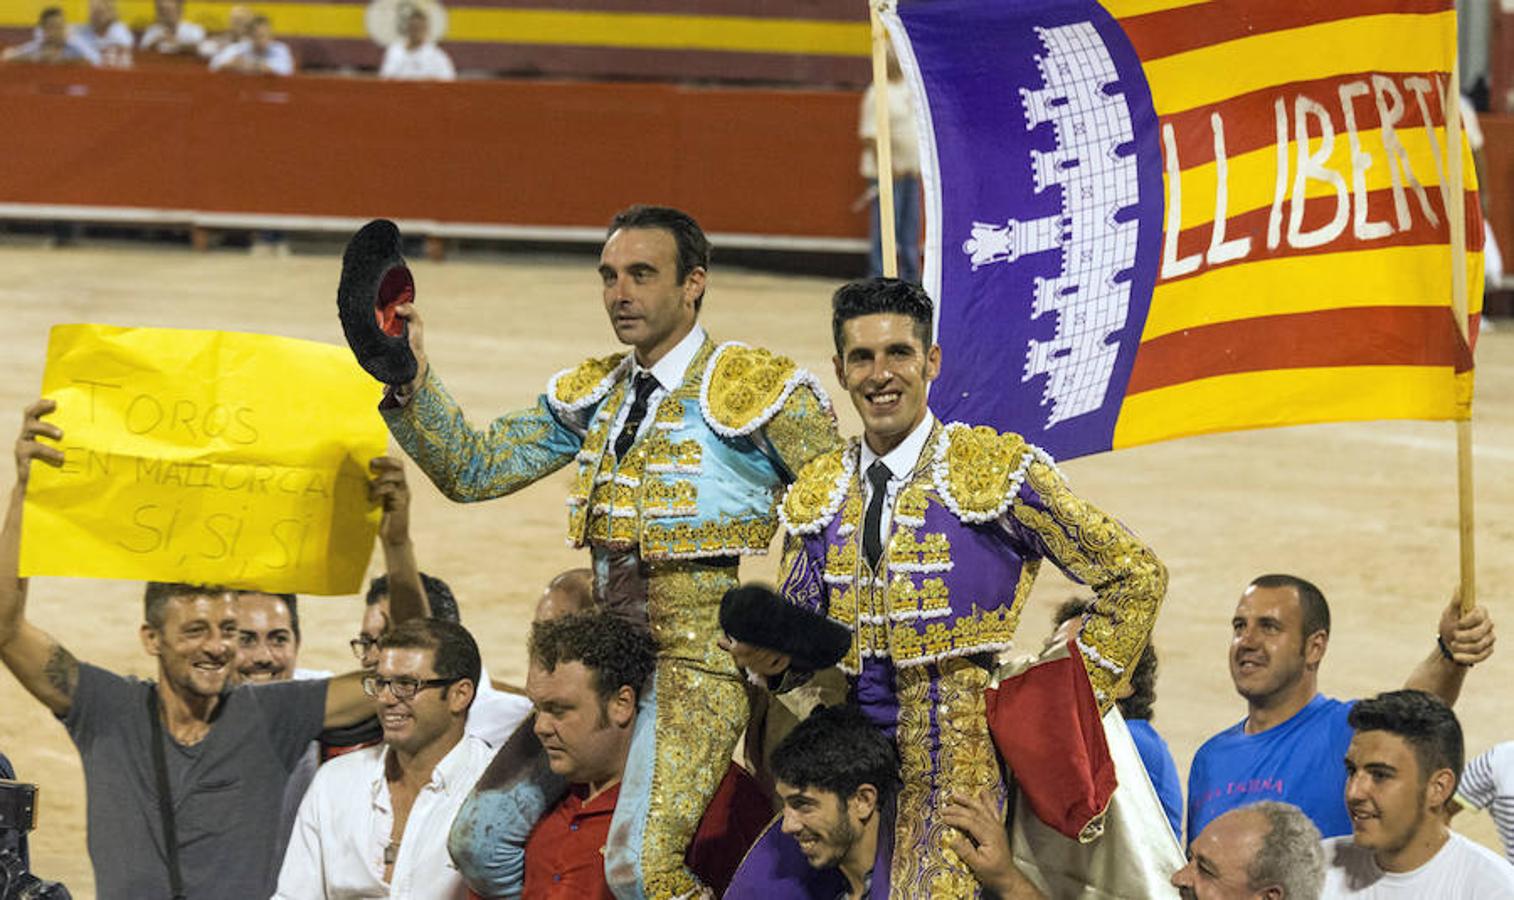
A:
(769, 162)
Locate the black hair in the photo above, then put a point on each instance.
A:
(1311, 601)
(693, 248)
(158, 594)
(438, 596)
(1422, 719)
(615, 651)
(290, 601)
(455, 653)
(1143, 681)
(872, 296)
(837, 749)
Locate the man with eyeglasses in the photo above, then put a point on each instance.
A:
(374, 822)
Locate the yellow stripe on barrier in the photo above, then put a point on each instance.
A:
(1386, 43)
(643, 31)
(1287, 397)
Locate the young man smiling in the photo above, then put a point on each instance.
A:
(1288, 745)
(923, 539)
(681, 447)
(1401, 771)
(374, 823)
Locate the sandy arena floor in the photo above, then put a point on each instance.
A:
(1368, 510)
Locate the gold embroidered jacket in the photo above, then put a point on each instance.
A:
(701, 481)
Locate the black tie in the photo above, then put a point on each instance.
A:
(644, 385)
(872, 541)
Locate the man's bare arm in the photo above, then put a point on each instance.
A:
(1468, 639)
(346, 704)
(407, 595)
(47, 670)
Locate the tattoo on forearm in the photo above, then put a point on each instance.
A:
(62, 671)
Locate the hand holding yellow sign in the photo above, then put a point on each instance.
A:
(205, 457)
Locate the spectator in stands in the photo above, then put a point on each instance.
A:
(106, 35)
(217, 756)
(587, 673)
(1401, 770)
(1135, 703)
(416, 57)
(374, 823)
(238, 29)
(169, 34)
(1290, 744)
(258, 54)
(1266, 850)
(906, 165)
(1488, 783)
(52, 43)
(568, 592)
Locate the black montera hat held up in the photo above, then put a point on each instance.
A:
(375, 280)
(756, 615)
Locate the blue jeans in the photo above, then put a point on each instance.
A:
(906, 229)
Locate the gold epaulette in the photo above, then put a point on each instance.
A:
(817, 494)
(978, 471)
(585, 384)
(743, 387)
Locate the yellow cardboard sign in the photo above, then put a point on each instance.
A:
(206, 457)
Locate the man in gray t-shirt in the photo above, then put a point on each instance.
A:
(228, 752)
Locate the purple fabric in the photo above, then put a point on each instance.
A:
(1049, 203)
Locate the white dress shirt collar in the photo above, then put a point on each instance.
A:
(674, 365)
(901, 460)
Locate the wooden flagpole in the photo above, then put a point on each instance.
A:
(883, 144)
(1456, 215)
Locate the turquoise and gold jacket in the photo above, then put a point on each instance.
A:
(701, 481)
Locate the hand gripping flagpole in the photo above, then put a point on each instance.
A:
(1456, 215)
(883, 143)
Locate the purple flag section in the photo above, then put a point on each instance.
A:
(1044, 204)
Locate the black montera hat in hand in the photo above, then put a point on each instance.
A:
(375, 280)
(755, 614)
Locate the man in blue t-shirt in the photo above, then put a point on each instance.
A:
(1293, 741)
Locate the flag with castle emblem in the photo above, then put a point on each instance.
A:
(1154, 218)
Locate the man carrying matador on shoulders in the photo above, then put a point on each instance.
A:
(922, 540)
(682, 448)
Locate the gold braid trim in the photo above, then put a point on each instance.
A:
(813, 499)
(744, 387)
(588, 382)
(978, 471)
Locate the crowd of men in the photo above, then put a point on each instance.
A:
(617, 770)
(247, 45)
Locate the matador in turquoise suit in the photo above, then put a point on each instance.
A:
(682, 448)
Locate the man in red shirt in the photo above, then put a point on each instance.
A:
(586, 678)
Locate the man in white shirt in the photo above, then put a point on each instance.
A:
(106, 35)
(1401, 771)
(416, 57)
(259, 54)
(170, 34)
(52, 44)
(374, 822)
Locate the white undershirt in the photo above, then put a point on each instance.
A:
(1460, 870)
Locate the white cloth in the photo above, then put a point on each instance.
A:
(113, 48)
(901, 131)
(1460, 870)
(337, 849)
(188, 34)
(427, 62)
(276, 57)
(1488, 783)
(669, 373)
(495, 715)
